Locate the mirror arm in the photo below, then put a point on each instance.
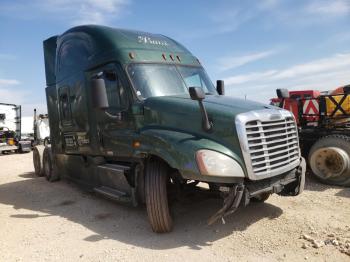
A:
(197, 93)
(205, 120)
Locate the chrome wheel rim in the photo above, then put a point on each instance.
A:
(329, 162)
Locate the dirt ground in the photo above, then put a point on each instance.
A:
(41, 221)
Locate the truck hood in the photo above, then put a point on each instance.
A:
(235, 104)
(180, 113)
(213, 103)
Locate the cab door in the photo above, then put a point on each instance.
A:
(114, 127)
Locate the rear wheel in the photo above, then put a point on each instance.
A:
(329, 160)
(38, 152)
(156, 181)
(49, 169)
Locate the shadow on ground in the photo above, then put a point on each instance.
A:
(12, 152)
(344, 193)
(28, 175)
(313, 184)
(109, 220)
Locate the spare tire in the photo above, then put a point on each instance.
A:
(329, 160)
(38, 153)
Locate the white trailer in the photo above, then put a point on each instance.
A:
(10, 129)
(10, 117)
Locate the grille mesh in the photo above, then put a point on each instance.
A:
(272, 144)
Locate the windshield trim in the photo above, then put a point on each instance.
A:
(153, 63)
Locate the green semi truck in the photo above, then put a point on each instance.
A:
(134, 117)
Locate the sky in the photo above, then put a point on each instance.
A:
(256, 46)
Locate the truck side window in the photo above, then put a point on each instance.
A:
(115, 92)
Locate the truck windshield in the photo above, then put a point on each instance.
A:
(166, 80)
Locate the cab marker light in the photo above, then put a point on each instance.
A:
(136, 144)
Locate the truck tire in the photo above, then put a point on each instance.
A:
(49, 168)
(38, 153)
(156, 180)
(329, 160)
(20, 150)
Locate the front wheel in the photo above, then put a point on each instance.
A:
(156, 181)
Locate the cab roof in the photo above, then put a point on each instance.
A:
(131, 45)
(85, 47)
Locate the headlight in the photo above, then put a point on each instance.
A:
(213, 163)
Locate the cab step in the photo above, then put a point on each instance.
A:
(115, 167)
(114, 176)
(114, 194)
(114, 184)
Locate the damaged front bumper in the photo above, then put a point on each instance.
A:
(288, 184)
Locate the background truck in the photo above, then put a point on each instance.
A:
(324, 130)
(41, 138)
(41, 129)
(134, 117)
(10, 129)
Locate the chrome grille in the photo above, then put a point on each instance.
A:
(272, 144)
(270, 147)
